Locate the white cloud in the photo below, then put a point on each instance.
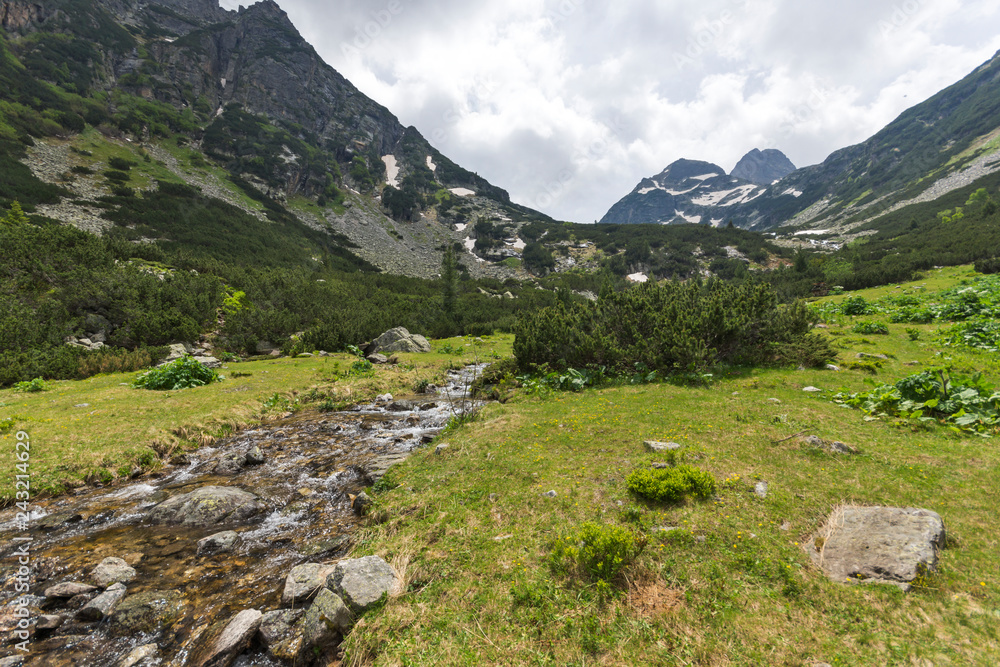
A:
(569, 103)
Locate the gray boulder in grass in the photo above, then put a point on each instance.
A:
(880, 545)
(398, 339)
(361, 582)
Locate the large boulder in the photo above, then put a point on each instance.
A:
(207, 506)
(398, 340)
(883, 545)
(362, 582)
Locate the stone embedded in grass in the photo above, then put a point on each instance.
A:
(760, 489)
(362, 582)
(112, 571)
(303, 582)
(361, 503)
(207, 506)
(882, 545)
(811, 390)
(659, 447)
(550, 494)
(398, 339)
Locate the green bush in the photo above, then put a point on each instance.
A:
(869, 327)
(38, 384)
(182, 373)
(667, 327)
(857, 305)
(597, 551)
(671, 484)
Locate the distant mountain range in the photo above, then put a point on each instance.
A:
(948, 142)
(699, 192)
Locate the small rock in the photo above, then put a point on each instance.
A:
(399, 406)
(493, 497)
(12, 661)
(813, 441)
(101, 607)
(361, 503)
(48, 622)
(254, 457)
(427, 406)
(811, 390)
(112, 571)
(832, 367)
(659, 447)
(377, 358)
(441, 449)
(274, 353)
(233, 640)
(218, 543)
(303, 582)
(68, 590)
(231, 463)
(774, 400)
(760, 489)
(550, 494)
(141, 656)
(58, 520)
(361, 582)
(383, 398)
(324, 547)
(82, 405)
(78, 601)
(841, 448)
(658, 465)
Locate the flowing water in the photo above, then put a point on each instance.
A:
(314, 462)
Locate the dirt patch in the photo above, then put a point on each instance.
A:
(649, 599)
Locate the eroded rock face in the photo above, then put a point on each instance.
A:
(207, 506)
(883, 545)
(326, 620)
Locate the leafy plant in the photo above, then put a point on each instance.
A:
(671, 484)
(599, 552)
(964, 403)
(870, 327)
(182, 373)
(38, 384)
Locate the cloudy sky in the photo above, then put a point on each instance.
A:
(569, 103)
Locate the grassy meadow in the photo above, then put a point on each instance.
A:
(721, 581)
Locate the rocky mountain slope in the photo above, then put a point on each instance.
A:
(246, 108)
(948, 142)
(699, 192)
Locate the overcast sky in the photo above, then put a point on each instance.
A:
(569, 103)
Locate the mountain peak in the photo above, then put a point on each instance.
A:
(763, 167)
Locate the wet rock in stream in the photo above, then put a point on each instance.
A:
(148, 612)
(207, 506)
(101, 607)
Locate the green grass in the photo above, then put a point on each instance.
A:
(732, 585)
(120, 424)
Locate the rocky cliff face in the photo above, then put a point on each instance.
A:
(687, 191)
(763, 167)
